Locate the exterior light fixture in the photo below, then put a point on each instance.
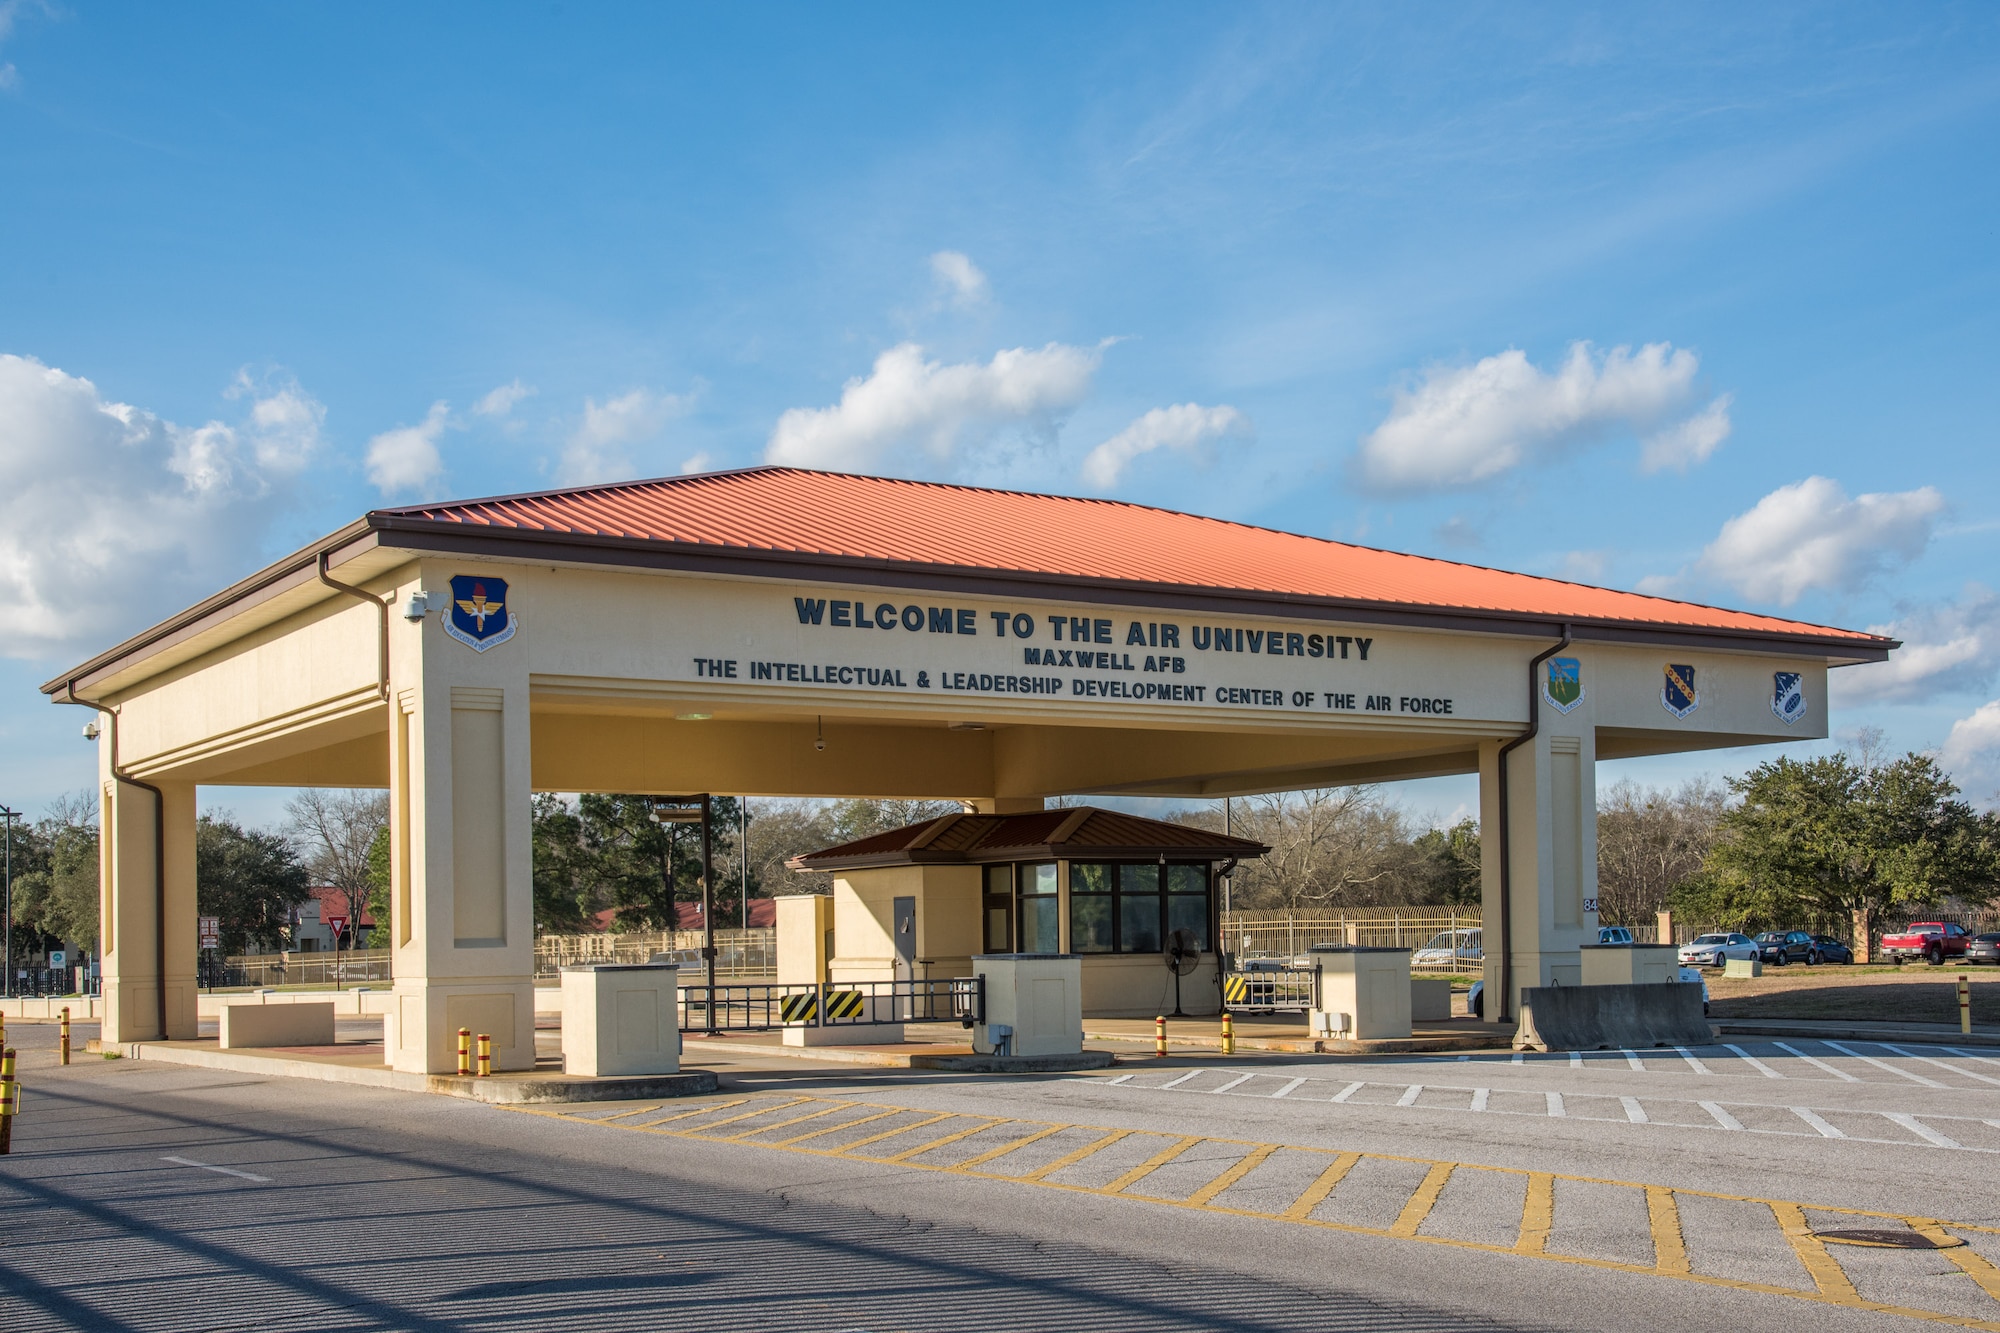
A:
(965, 726)
(417, 606)
(692, 717)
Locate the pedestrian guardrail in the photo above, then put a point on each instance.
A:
(1271, 989)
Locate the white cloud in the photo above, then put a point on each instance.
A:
(959, 278)
(111, 518)
(1584, 566)
(1810, 535)
(907, 400)
(1464, 425)
(595, 451)
(1972, 752)
(285, 420)
(406, 460)
(1946, 649)
(1185, 427)
(696, 463)
(501, 401)
(1686, 443)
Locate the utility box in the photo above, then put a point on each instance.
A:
(1369, 988)
(805, 938)
(1743, 967)
(1430, 1000)
(621, 1019)
(1034, 1004)
(1630, 964)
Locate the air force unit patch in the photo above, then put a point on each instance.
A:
(1679, 696)
(479, 616)
(1564, 689)
(1788, 696)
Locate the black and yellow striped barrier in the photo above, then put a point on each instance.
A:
(1236, 990)
(799, 1008)
(844, 1004)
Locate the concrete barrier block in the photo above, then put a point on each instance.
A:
(1430, 1000)
(1596, 1018)
(256, 1024)
(1743, 967)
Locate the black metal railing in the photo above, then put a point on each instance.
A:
(1256, 989)
(760, 1007)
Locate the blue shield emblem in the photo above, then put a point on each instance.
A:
(1788, 696)
(479, 616)
(1679, 696)
(1564, 689)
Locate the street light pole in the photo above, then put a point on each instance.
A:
(11, 816)
(743, 851)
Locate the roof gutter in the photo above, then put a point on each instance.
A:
(381, 606)
(159, 853)
(1506, 840)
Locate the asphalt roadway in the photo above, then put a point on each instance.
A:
(1656, 1190)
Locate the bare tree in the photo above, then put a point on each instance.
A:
(332, 830)
(1649, 841)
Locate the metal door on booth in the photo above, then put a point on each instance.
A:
(905, 921)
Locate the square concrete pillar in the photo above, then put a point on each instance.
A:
(621, 1019)
(1034, 1004)
(141, 926)
(461, 860)
(1369, 987)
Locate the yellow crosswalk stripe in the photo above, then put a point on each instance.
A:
(1420, 1204)
(1537, 1214)
(1315, 1195)
(1250, 1162)
(1041, 1173)
(1150, 1165)
(1823, 1268)
(1669, 1246)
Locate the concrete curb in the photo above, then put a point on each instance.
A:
(890, 1058)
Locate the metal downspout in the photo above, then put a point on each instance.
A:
(1506, 841)
(381, 606)
(159, 852)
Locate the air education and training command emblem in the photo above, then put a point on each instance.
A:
(479, 616)
(1679, 696)
(1788, 696)
(1564, 689)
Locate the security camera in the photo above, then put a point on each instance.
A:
(819, 743)
(92, 730)
(419, 603)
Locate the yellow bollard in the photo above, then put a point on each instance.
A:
(10, 1101)
(65, 1034)
(1964, 1004)
(465, 1051)
(1228, 1035)
(485, 1055)
(1160, 1036)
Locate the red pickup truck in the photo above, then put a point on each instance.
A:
(1933, 941)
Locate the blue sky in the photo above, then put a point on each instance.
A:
(1696, 300)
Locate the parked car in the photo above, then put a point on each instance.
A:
(1830, 950)
(1692, 975)
(1614, 935)
(1787, 946)
(1449, 947)
(1933, 941)
(1716, 949)
(1983, 948)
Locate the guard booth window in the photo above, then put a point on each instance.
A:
(1041, 910)
(1129, 907)
(999, 914)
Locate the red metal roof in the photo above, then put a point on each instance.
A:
(929, 525)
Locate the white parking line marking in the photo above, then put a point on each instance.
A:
(1123, 1078)
(1883, 1064)
(1288, 1088)
(1234, 1082)
(1555, 1100)
(1175, 1083)
(1520, 1057)
(1410, 1095)
(1920, 1129)
(1693, 1063)
(1633, 1111)
(1348, 1091)
(1479, 1098)
(1754, 1062)
(1983, 1059)
(1813, 1119)
(1815, 1060)
(1963, 1073)
(1632, 1059)
(223, 1170)
(1722, 1117)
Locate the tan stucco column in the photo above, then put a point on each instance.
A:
(1552, 800)
(132, 929)
(462, 904)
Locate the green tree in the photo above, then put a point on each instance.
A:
(1448, 864)
(1839, 836)
(249, 880)
(378, 887)
(56, 874)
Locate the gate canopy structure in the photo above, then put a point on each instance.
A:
(783, 632)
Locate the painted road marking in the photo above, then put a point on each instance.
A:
(1882, 1064)
(1753, 1061)
(1287, 1090)
(1816, 1061)
(1633, 1111)
(1917, 1127)
(1962, 1073)
(1817, 1122)
(1479, 1098)
(1693, 1063)
(1238, 1081)
(1410, 1095)
(1722, 1117)
(1348, 1091)
(220, 1170)
(1576, 1059)
(1192, 1073)
(1235, 1161)
(1555, 1103)
(1632, 1059)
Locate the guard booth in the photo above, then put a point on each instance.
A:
(777, 632)
(1127, 894)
